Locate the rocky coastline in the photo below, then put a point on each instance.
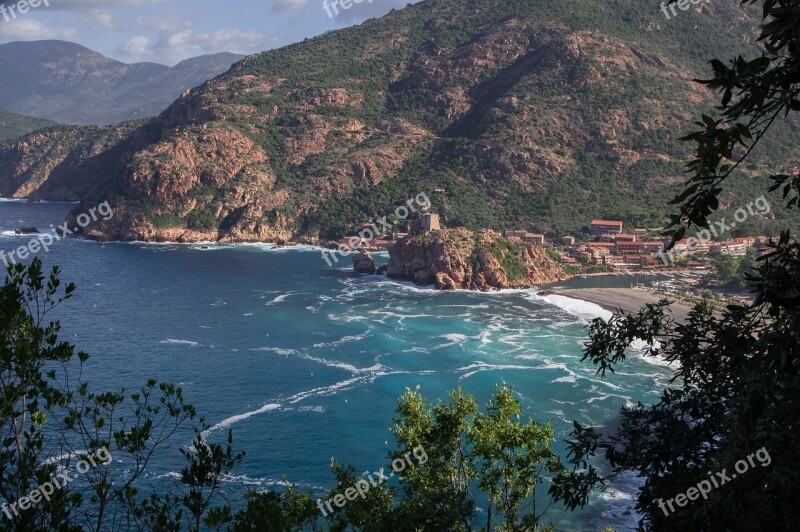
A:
(451, 259)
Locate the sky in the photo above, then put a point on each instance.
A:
(169, 31)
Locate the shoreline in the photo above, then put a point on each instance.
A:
(629, 300)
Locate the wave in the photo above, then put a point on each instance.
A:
(280, 299)
(325, 362)
(173, 341)
(577, 307)
(225, 423)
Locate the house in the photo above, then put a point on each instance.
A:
(606, 227)
(653, 247)
(568, 240)
(533, 237)
(747, 241)
(623, 238)
(731, 248)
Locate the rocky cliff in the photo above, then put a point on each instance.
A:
(463, 259)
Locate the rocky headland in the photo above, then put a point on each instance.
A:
(462, 259)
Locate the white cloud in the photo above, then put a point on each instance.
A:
(30, 30)
(177, 40)
(102, 17)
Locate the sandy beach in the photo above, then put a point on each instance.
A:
(629, 300)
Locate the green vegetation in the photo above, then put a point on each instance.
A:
(507, 254)
(732, 272)
(167, 220)
(734, 391)
(202, 219)
(13, 126)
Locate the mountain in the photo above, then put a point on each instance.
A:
(71, 84)
(13, 125)
(537, 114)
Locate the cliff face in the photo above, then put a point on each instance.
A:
(462, 259)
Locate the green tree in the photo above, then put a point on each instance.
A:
(462, 454)
(735, 389)
(50, 418)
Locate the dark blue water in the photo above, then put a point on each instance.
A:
(304, 362)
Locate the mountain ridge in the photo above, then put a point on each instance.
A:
(72, 84)
(530, 114)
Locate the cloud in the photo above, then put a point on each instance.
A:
(78, 5)
(288, 5)
(31, 30)
(177, 40)
(101, 17)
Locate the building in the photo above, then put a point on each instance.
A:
(606, 227)
(597, 253)
(533, 237)
(629, 248)
(732, 248)
(653, 247)
(430, 222)
(624, 238)
(747, 241)
(568, 240)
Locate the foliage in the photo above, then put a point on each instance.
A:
(50, 418)
(463, 455)
(736, 386)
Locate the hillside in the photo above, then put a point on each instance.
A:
(71, 84)
(13, 125)
(536, 114)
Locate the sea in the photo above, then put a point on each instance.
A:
(304, 362)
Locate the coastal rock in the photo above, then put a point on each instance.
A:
(364, 263)
(26, 231)
(453, 259)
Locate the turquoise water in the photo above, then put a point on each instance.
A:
(304, 362)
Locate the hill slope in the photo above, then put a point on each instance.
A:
(71, 84)
(13, 125)
(531, 113)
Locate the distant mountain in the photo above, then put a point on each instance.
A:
(13, 125)
(71, 84)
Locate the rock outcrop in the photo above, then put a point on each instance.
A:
(461, 259)
(364, 263)
(26, 231)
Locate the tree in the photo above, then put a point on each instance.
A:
(54, 431)
(735, 393)
(460, 453)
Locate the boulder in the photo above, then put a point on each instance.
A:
(364, 263)
(26, 231)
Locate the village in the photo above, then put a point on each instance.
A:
(606, 249)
